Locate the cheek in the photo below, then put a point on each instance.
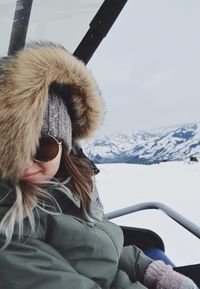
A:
(50, 168)
(53, 169)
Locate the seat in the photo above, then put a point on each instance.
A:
(153, 246)
(148, 241)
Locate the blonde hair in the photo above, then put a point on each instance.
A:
(30, 197)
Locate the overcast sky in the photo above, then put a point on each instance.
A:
(148, 66)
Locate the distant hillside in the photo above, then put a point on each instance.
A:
(169, 144)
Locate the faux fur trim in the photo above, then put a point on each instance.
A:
(24, 82)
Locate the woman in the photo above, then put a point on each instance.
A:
(53, 230)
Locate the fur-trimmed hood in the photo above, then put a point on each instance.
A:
(25, 79)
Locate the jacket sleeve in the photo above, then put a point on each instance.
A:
(38, 265)
(134, 262)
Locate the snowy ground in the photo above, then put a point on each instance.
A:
(176, 184)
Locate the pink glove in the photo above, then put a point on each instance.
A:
(161, 276)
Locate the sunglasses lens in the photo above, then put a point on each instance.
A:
(47, 150)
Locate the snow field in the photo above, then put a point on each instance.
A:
(176, 184)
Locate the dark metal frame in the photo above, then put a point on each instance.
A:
(20, 25)
(99, 27)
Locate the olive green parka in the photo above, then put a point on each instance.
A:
(68, 251)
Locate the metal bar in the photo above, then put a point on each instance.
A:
(181, 220)
(20, 25)
(99, 27)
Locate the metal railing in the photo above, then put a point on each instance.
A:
(181, 220)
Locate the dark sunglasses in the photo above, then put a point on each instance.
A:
(48, 149)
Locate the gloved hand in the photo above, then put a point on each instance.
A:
(158, 275)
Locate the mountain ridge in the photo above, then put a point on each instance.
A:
(140, 147)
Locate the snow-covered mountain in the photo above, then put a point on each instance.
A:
(168, 144)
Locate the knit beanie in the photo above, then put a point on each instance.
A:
(57, 121)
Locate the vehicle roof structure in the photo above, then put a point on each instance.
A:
(78, 33)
